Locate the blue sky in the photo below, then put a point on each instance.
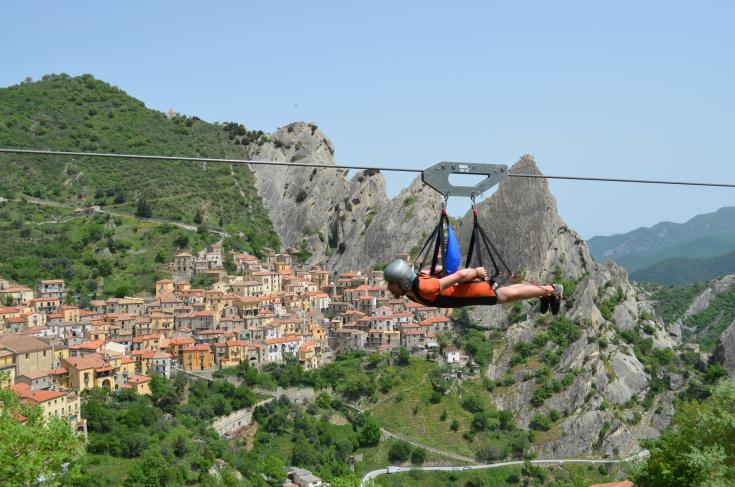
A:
(621, 89)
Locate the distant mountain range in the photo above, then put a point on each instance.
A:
(666, 245)
(683, 270)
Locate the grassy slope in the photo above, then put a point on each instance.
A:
(106, 256)
(407, 409)
(84, 114)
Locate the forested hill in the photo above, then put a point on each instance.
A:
(685, 271)
(81, 113)
(703, 236)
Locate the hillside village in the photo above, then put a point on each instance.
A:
(269, 311)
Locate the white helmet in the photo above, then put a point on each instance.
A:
(399, 272)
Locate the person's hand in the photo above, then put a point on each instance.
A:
(481, 273)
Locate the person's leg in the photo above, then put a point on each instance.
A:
(516, 292)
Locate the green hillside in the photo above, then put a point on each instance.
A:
(98, 256)
(686, 270)
(84, 114)
(703, 236)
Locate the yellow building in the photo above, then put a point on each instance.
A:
(82, 374)
(176, 347)
(7, 368)
(164, 286)
(162, 323)
(53, 403)
(231, 353)
(198, 357)
(141, 384)
(71, 313)
(309, 354)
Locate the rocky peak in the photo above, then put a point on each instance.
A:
(601, 370)
(343, 223)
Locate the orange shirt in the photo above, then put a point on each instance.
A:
(430, 289)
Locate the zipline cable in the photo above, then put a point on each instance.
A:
(341, 166)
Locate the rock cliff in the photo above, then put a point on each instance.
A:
(591, 376)
(344, 223)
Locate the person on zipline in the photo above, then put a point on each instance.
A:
(465, 287)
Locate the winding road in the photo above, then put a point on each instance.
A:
(382, 471)
(111, 212)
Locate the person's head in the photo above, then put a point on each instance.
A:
(399, 275)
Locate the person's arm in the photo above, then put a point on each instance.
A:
(462, 275)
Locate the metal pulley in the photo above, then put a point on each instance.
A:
(437, 176)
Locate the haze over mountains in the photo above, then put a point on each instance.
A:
(674, 253)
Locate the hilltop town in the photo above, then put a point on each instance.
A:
(267, 310)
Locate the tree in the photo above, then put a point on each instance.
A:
(144, 209)
(399, 452)
(419, 456)
(369, 434)
(272, 468)
(198, 218)
(404, 357)
(152, 470)
(473, 403)
(700, 449)
(33, 448)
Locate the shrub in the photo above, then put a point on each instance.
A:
(301, 196)
(419, 456)
(473, 403)
(400, 451)
(540, 423)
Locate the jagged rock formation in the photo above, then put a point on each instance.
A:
(344, 223)
(522, 220)
(725, 351)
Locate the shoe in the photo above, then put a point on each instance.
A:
(545, 302)
(556, 299)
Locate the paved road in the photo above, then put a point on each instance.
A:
(382, 471)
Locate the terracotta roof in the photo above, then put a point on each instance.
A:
(290, 338)
(40, 396)
(180, 340)
(52, 281)
(90, 345)
(197, 348)
(148, 354)
(23, 344)
(89, 361)
(138, 379)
